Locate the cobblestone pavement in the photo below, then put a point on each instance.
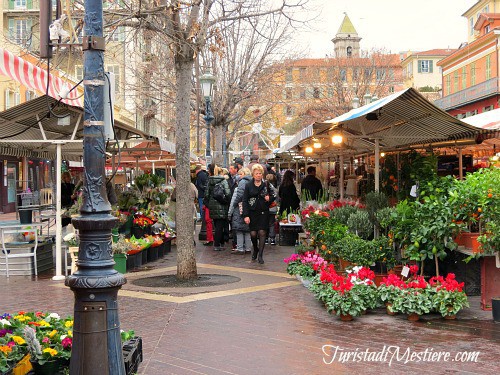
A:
(267, 323)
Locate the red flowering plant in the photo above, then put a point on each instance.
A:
(142, 221)
(305, 265)
(449, 297)
(414, 296)
(345, 295)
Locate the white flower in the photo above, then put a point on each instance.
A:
(5, 322)
(69, 237)
(54, 316)
(63, 337)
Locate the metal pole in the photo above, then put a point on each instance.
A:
(97, 345)
(341, 170)
(460, 165)
(208, 119)
(58, 275)
(377, 165)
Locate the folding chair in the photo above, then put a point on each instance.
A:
(19, 249)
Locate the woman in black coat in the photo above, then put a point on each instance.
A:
(256, 200)
(289, 200)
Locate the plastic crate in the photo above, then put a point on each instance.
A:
(132, 355)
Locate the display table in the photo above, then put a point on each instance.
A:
(289, 234)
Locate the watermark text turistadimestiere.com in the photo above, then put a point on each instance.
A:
(391, 354)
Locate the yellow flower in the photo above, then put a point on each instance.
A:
(22, 318)
(51, 351)
(69, 323)
(19, 340)
(53, 333)
(43, 323)
(70, 333)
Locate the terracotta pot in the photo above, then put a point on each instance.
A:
(379, 277)
(450, 317)
(388, 309)
(346, 317)
(413, 317)
(470, 242)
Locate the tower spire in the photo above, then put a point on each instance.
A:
(346, 41)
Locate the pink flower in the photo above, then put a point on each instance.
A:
(67, 342)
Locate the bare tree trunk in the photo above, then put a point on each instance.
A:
(186, 260)
(218, 145)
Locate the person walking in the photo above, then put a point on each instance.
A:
(256, 201)
(311, 185)
(241, 229)
(201, 184)
(218, 210)
(287, 192)
(273, 210)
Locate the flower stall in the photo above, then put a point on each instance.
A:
(42, 342)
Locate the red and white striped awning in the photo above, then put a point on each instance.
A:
(35, 78)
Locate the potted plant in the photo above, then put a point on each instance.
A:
(389, 290)
(414, 297)
(304, 266)
(449, 298)
(120, 249)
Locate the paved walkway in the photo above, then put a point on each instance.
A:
(266, 324)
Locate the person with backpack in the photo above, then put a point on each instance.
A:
(241, 229)
(217, 199)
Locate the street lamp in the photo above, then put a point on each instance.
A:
(97, 347)
(207, 81)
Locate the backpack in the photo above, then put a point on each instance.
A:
(219, 194)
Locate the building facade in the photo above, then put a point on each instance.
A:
(471, 74)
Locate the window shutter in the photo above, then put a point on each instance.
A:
(11, 4)
(29, 4)
(7, 99)
(419, 66)
(430, 66)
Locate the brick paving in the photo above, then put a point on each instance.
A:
(256, 326)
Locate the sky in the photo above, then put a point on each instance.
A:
(393, 25)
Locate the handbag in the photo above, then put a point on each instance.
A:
(269, 191)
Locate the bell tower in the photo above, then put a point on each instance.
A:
(346, 41)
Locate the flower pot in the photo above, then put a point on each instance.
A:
(131, 261)
(450, 317)
(153, 254)
(495, 308)
(388, 309)
(470, 242)
(379, 278)
(459, 239)
(413, 317)
(345, 317)
(168, 245)
(120, 262)
(48, 368)
(161, 250)
(144, 254)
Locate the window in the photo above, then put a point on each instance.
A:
(488, 67)
(349, 51)
(448, 84)
(30, 95)
(425, 66)
(316, 93)
(302, 93)
(116, 70)
(487, 29)
(410, 70)
(330, 92)
(289, 75)
(473, 74)
(302, 73)
(488, 108)
(455, 81)
(368, 74)
(288, 93)
(20, 4)
(12, 98)
(117, 35)
(471, 26)
(391, 89)
(343, 75)
(464, 78)
(79, 72)
(289, 111)
(380, 74)
(20, 30)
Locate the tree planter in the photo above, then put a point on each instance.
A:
(495, 308)
(168, 245)
(379, 278)
(120, 262)
(470, 242)
(161, 250)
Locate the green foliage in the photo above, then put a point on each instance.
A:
(359, 223)
(354, 249)
(409, 301)
(449, 303)
(374, 202)
(298, 268)
(341, 214)
(385, 219)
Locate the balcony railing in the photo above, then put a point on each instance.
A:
(469, 95)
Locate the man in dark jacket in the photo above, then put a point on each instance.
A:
(201, 184)
(311, 184)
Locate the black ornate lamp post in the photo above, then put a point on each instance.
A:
(97, 345)
(207, 81)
